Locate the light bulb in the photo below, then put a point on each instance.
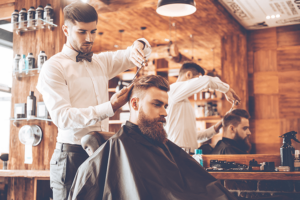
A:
(277, 16)
(273, 16)
(268, 17)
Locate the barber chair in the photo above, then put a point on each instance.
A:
(93, 140)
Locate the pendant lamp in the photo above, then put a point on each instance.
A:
(176, 8)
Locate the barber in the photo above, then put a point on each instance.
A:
(74, 85)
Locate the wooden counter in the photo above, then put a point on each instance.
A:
(39, 174)
(45, 175)
(256, 175)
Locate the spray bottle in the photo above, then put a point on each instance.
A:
(287, 150)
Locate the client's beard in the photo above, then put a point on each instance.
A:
(244, 143)
(152, 127)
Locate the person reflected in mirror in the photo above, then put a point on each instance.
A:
(181, 120)
(236, 136)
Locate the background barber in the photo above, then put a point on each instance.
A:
(74, 85)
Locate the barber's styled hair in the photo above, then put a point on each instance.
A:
(80, 12)
(193, 67)
(146, 82)
(234, 117)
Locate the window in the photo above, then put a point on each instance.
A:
(6, 57)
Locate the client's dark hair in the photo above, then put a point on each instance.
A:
(80, 12)
(145, 82)
(234, 117)
(193, 67)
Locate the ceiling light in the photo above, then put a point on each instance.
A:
(186, 50)
(273, 16)
(167, 40)
(176, 8)
(268, 17)
(84, 1)
(116, 46)
(277, 16)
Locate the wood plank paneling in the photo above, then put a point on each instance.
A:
(250, 59)
(289, 106)
(266, 107)
(289, 83)
(265, 134)
(288, 35)
(35, 41)
(288, 59)
(265, 60)
(265, 39)
(234, 68)
(265, 82)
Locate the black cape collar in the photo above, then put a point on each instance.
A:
(234, 144)
(132, 129)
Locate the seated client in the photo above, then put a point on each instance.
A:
(139, 162)
(236, 134)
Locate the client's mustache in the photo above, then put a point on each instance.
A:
(161, 119)
(88, 43)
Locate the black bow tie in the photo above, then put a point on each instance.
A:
(84, 56)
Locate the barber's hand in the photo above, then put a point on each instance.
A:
(232, 97)
(120, 98)
(137, 55)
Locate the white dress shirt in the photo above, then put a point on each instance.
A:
(76, 93)
(181, 119)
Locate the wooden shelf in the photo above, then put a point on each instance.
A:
(117, 121)
(210, 119)
(165, 69)
(25, 173)
(206, 100)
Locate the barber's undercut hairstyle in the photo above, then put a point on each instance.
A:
(235, 117)
(193, 67)
(80, 12)
(140, 85)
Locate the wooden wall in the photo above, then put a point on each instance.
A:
(35, 41)
(234, 68)
(274, 86)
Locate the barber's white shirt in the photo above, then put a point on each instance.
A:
(76, 93)
(181, 119)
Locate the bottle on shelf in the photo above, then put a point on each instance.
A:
(201, 111)
(198, 156)
(30, 62)
(16, 64)
(207, 109)
(22, 64)
(15, 19)
(200, 95)
(31, 103)
(39, 14)
(213, 95)
(297, 161)
(215, 110)
(42, 57)
(30, 17)
(48, 13)
(22, 19)
(207, 94)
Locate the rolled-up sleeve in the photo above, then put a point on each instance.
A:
(52, 85)
(187, 88)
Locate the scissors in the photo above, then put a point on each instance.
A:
(235, 102)
(143, 64)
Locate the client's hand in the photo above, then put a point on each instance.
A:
(232, 97)
(120, 98)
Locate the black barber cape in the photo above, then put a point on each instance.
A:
(131, 166)
(228, 146)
